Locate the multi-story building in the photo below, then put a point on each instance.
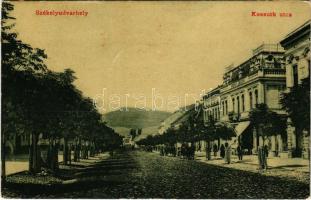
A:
(260, 79)
(297, 54)
(211, 105)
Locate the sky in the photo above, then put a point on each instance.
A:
(152, 54)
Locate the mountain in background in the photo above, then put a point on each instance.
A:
(123, 120)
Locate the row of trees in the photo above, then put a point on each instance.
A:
(43, 103)
(191, 131)
(265, 121)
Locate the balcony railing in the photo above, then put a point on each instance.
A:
(275, 71)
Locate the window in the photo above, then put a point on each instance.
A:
(295, 73)
(256, 97)
(223, 108)
(218, 112)
(215, 114)
(226, 107)
(233, 105)
(238, 102)
(243, 103)
(250, 100)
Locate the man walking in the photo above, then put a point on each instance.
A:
(215, 149)
(240, 152)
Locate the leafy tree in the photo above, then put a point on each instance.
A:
(21, 64)
(267, 122)
(224, 131)
(42, 102)
(133, 133)
(206, 132)
(297, 104)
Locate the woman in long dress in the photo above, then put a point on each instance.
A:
(227, 153)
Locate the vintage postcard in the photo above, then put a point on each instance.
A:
(155, 99)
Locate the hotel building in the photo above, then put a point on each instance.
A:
(259, 79)
(297, 55)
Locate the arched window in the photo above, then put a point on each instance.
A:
(250, 100)
(243, 103)
(238, 102)
(256, 97)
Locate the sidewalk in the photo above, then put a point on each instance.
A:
(293, 168)
(20, 163)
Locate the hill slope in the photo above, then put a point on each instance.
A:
(135, 118)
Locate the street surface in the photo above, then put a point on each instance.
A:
(140, 174)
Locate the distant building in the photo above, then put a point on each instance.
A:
(128, 141)
(297, 54)
(211, 105)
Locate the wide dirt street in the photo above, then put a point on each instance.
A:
(140, 174)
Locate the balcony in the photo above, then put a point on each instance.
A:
(268, 48)
(274, 71)
(266, 72)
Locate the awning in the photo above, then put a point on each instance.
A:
(240, 128)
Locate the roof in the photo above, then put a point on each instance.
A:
(299, 28)
(264, 47)
(296, 34)
(213, 91)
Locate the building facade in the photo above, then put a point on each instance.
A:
(297, 55)
(211, 105)
(260, 79)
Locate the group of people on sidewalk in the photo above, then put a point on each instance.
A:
(226, 152)
(186, 151)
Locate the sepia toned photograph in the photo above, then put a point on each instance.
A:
(155, 99)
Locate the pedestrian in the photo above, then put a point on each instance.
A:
(240, 152)
(174, 151)
(266, 151)
(277, 149)
(161, 150)
(222, 151)
(215, 149)
(262, 158)
(192, 149)
(183, 150)
(227, 153)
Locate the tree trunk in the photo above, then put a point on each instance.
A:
(69, 154)
(55, 156)
(65, 152)
(79, 149)
(30, 154)
(208, 150)
(3, 173)
(75, 154)
(35, 161)
(50, 154)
